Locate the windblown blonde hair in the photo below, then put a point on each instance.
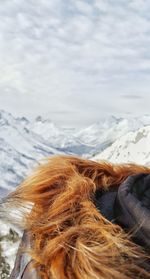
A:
(70, 237)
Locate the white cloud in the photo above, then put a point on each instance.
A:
(62, 55)
(83, 7)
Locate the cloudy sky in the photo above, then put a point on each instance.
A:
(75, 61)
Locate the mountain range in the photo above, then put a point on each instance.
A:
(23, 143)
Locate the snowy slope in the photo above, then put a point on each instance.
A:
(20, 151)
(132, 147)
(90, 140)
(23, 143)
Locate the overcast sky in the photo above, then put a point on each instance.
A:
(75, 61)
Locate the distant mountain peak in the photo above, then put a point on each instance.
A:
(24, 142)
(40, 118)
(132, 147)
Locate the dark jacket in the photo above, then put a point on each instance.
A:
(129, 206)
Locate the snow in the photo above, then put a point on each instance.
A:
(21, 149)
(132, 147)
(24, 143)
(10, 249)
(9, 246)
(4, 228)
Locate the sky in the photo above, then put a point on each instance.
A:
(75, 61)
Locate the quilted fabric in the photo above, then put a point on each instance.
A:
(129, 206)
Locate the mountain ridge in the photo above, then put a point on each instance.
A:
(23, 143)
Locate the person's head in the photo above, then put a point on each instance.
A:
(70, 237)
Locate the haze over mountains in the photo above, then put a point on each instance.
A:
(24, 143)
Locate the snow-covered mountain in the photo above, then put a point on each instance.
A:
(23, 143)
(20, 150)
(132, 147)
